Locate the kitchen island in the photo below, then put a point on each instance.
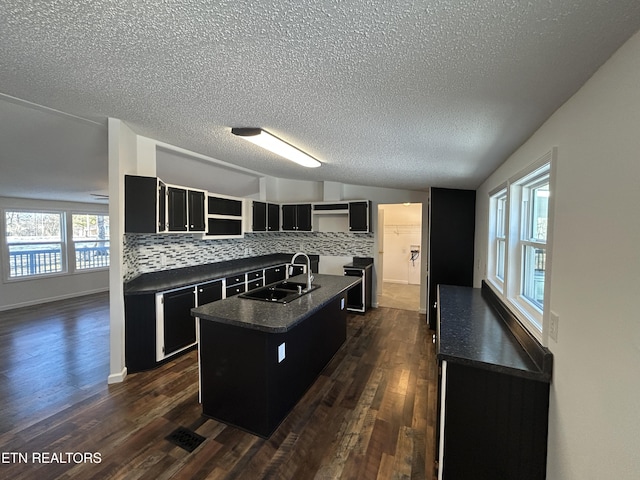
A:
(257, 358)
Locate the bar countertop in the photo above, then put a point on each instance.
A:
(472, 332)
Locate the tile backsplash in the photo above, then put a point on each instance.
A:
(146, 253)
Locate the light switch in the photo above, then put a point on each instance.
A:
(281, 352)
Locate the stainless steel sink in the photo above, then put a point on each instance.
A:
(283, 292)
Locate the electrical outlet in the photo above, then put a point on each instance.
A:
(554, 320)
(163, 259)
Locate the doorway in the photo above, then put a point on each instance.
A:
(400, 255)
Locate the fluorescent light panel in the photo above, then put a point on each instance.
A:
(275, 145)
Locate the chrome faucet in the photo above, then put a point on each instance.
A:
(309, 276)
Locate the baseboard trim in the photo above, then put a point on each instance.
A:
(117, 377)
(41, 301)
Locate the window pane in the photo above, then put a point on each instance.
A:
(90, 227)
(33, 227)
(533, 269)
(539, 212)
(91, 240)
(92, 255)
(501, 204)
(500, 253)
(34, 241)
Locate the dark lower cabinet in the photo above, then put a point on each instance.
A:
(495, 425)
(209, 292)
(275, 274)
(179, 325)
(140, 332)
(252, 379)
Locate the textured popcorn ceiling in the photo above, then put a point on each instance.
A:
(402, 94)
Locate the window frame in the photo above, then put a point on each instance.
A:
(67, 243)
(73, 242)
(518, 226)
(64, 258)
(496, 196)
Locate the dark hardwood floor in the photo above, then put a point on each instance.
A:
(369, 415)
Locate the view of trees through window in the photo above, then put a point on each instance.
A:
(37, 242)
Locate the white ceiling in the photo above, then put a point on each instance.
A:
(405, 94)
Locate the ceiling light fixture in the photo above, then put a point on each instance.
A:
(275, 145)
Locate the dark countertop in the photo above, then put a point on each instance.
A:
(471, 332)
(276, 317)
(182, 277)
(360, 262)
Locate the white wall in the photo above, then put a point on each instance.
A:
(594, 424)
(379, 195)
(402, 229)
(14, 294)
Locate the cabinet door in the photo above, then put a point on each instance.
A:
(141, 197)
(162, 207)
(209, 292)
(451, 241)
(196, 211)
(273, 217)
(359, 215)
(289, 217)
(177, 199)
(275, 274)
(303, 216)
(179, 325)
(224, 206)
(259, 217)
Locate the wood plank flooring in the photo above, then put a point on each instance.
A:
(369, 415)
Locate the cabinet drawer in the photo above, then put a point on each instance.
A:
(255, 275)
(234, 280)
(235, 290)
(255, 284)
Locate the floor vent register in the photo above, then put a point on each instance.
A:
(185, 438)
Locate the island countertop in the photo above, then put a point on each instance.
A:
(276, 317)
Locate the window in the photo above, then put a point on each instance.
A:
(90, 240)
(40, 243)
(35, 241)
(498, 234)
(518, 235)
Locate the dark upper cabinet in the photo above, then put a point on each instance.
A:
(177, 209)
(224, 206)
(360, 216)
(451, 242)
(144, 204)
(273, 217)
(296, 217)
(162, 207)
(185, 210)
(259, 210)
(196, 210)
